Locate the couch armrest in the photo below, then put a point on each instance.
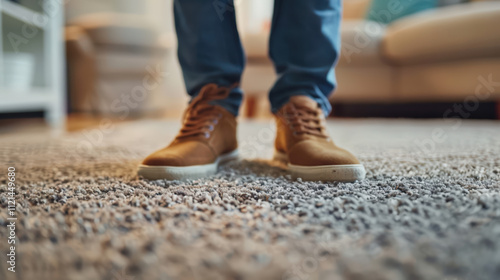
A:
(456, 32)
(112, 29)
(355, 9)
(80, 53)
(78, 43)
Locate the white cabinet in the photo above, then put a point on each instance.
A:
(32, 58)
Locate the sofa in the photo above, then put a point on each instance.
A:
(115, 64)
(448, 54)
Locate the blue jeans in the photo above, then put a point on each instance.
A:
(304, 47)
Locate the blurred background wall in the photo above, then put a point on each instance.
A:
(406, 58)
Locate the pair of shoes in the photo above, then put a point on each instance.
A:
(208, 138)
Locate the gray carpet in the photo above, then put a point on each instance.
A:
(429, 208)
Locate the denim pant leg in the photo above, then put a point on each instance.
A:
(209, 48)
(304, 47)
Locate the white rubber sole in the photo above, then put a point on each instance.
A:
(184, 172)
(341, 173)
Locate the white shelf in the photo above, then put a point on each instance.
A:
(15, 100)
(24, 14)
(49, 51)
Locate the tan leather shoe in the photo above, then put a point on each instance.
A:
(206, 139)
(303, 143)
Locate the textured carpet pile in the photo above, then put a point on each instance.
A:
(428, 209)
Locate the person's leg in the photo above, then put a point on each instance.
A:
(212, 61)
(304, 46)
(209, 47)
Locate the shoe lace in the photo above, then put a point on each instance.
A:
(305, 121)
(201, 117)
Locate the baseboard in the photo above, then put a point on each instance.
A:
(484, 110)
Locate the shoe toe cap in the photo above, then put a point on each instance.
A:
(161, 158)
(181, 154)
(313, 153)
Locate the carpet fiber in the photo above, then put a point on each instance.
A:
(429, 208)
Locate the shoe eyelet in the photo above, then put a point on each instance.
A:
(207, 135)
(211, 128)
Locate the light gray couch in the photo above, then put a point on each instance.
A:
(449, 54)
